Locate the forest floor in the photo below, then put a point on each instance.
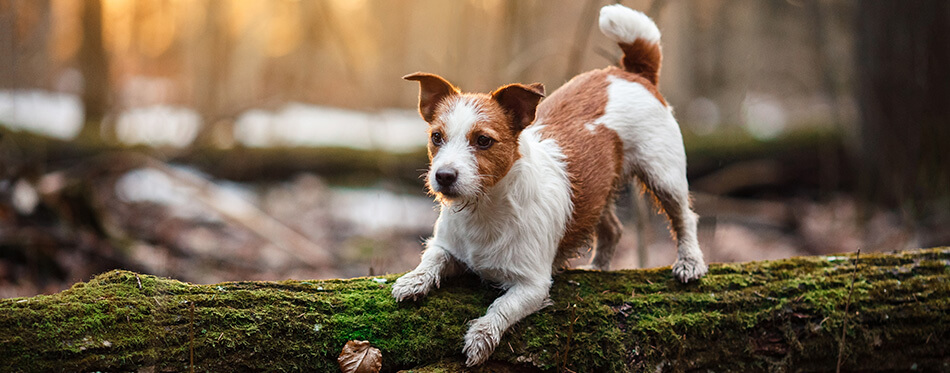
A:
(62, 222)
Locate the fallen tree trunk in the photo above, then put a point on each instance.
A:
(756, 316)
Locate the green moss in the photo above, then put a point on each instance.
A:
(763, 315)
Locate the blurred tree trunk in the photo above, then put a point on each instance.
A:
(903, 54)
(227, 71)
(582, 34)
(392, 15)
(210, 56)
(26, 27)
(830, 169)
(7, 57)
(93, 63)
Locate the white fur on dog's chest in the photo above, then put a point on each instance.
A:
(512, 233)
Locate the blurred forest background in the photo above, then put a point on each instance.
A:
(215, 140)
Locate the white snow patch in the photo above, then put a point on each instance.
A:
(159, 125)
(151, 185)
(765, 117)
(378, 211)
(57, 115)
(299, 124)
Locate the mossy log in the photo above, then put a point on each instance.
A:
(760, 316)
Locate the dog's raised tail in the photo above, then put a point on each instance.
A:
(638, 37)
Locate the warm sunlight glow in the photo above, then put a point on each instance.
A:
(157, 27)
(66, 29)
(355, 27)
(117, 25)
(284, 28)
(487, 5)
(244, 15)
(349, 5)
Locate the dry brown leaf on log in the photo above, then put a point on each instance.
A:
(360, 357)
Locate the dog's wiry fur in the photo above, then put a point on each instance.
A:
(525, 183)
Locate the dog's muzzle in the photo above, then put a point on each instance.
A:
(445, 179)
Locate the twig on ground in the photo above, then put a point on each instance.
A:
(847, 304)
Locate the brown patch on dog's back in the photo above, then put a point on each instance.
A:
(594, 158)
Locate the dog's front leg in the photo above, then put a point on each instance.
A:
(485, 332)
(436, 263)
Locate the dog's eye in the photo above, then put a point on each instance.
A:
(437, 138)
(484, 142)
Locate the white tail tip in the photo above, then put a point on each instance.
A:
(625, 25)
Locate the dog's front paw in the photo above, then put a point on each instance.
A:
(689, 269)
(480, 340)
(413, 285)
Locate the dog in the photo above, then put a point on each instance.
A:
(525, 183)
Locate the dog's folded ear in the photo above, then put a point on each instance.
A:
(520, 102)
(432, 90)
(537, 87)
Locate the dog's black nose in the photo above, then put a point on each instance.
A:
(446, 177)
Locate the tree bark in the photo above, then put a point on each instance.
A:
(756, 316)
(26, 28)
(94, 64)
(904, 87)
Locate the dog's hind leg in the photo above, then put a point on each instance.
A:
(609, 230)
(669, 186)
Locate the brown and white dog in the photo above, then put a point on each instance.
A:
(524, 185)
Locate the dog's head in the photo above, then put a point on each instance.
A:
(473, 138)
